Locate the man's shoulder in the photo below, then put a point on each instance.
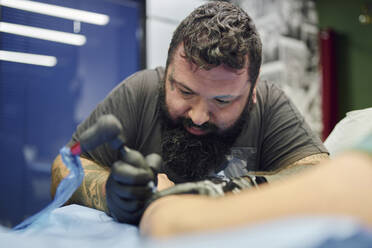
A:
(143, 82)
(271, 97)
(156, 74)
(146, 77)
(268, 90)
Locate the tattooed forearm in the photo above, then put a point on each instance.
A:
(310, 160)
(294, 168)
(91, 192)
(299, 166)
(59, 171)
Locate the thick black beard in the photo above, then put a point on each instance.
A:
(189, 157)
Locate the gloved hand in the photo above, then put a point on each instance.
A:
(205, 187)
(130, 185)
(212, 187)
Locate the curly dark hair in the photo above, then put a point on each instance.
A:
(219, 33)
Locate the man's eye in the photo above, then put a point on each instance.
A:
(185, 92)
(222, 102)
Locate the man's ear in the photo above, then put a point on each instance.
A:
(254, 95)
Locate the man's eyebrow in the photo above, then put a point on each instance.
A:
(225, 96)
(173, 80)
(231, 97)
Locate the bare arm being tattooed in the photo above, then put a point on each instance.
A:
(92, 192)
(320, 191)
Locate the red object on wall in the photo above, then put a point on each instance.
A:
(329, 81)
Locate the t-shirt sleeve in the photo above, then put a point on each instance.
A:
(122, 102)
(286, 135)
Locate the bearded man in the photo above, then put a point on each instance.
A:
(206, 114)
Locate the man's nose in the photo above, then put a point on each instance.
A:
(199, 113)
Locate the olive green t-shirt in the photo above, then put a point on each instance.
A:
(275, 134)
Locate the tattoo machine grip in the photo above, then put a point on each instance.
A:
(106, 129)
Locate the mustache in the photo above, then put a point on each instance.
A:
(207, 126)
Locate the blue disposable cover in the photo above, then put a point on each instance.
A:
(78, 226)
(64, 191)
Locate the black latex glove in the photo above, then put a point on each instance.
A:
(213, 187)
(205, 187)
(129, 185)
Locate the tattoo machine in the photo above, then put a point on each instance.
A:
(106, 129)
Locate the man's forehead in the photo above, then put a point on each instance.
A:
(218, 73)
(221, 71)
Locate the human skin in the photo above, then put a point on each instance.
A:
(218, 95)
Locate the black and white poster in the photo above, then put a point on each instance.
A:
(289, 33)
